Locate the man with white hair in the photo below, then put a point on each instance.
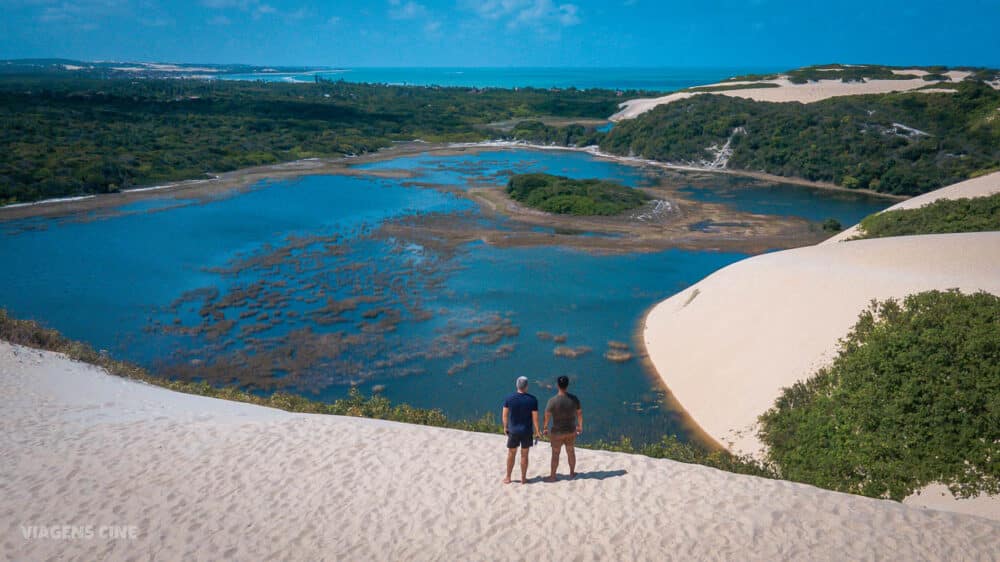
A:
(520, 424)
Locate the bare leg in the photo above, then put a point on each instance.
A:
(571, 456)
(511, 453)
(556, 448)
(524, 465)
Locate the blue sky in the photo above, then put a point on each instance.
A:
(720, 33)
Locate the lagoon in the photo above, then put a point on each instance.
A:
(297, 285)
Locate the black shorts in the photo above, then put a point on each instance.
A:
(523, 441)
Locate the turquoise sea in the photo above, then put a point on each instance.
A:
(648, 79)
(315, 284)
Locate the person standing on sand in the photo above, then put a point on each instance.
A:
(520, 420)
(567, 422)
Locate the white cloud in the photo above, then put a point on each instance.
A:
(157, 21)
(334, 20)
(539, 14)
(432, 27)
(81, 14)
(220, 4)
(406, 10)
(567, 14)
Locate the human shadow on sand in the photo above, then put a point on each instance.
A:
(595, 475)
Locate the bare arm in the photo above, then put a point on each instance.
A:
(579, 421)
(545, 424)
(503, 416)
(534, 419)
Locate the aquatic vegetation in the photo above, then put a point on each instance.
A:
(618, 352)
(562, 195)
(571, 352)
(317, 311)
(617, 356)
(556, 338)
(910, 399)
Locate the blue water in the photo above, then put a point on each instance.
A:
(491, 168)
(251, 289)
(790, 200)
(649, 79)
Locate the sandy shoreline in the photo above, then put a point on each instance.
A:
(194, 477)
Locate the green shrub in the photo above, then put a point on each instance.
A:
(977, 214)
(912, 398)
(832, 225)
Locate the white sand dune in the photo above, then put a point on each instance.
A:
(199, 478)
(787, 91)
(976, 187)
(728, 345)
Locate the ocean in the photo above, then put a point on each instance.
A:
(644, 79)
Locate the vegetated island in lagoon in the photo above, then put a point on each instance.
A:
(569, 196)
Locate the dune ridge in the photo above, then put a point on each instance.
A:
(201, 478)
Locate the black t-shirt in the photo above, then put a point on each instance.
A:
(563, 410)
(519, 418)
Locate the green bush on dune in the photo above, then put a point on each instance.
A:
(912, 398)
(568, 196)
(978, 214)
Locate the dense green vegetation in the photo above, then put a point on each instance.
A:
(100, 130)
(62, 136)
(912, 398)
(944, 215)
(568, 196)
(845, 73)
(31, 334)
(540, 133)
(853, 141)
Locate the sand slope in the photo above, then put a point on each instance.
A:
(787, 91)
(204, 479)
